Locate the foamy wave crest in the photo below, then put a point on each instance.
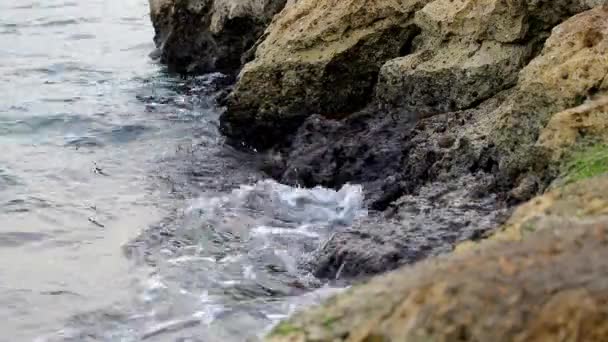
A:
(268, 204)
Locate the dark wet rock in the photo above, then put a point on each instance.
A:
(360, 149)
(391, 154)
(427, 223)
(433, 193)
(196, 36)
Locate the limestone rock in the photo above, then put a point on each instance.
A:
(502, 21)
(548, 13)
(551, 287)
(581, 201)
(571, 69)
(209, 35)
(318, 56)
(588, 121)
(469, 51)
(453, 77)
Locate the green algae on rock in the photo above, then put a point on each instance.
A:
(589, 162)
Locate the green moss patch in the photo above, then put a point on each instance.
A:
(285, 329)
(587, 163)
(329, 321)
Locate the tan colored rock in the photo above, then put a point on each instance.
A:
(318, 56)
(502, 21)
(551, 287)
(588, 121)
(574, 60)
(581, 201)
(470, 50)
(571, 69)
(453, 77)
(209, 35)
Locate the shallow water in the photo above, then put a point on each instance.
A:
(124, 217)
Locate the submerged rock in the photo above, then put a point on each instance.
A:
(552, 287)
(196, 36)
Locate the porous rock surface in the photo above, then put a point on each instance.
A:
(571, 69)
(567, 128)
(551, 287)
(317, 57)
(334, 57)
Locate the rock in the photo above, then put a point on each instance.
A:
(359, 149)
(418, 56)
(419, 226)
(161, 12)
(582, 201)
(545, 14)
(318, 57)
(551, 287)
(470, 50)
(572, 68)
(478, 20)
(566, 129)
(526, 188)
(453, 77)
(197, 36)
(445, 141)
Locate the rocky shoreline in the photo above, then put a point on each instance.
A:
(450, 113)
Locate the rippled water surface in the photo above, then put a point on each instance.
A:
(123, 217)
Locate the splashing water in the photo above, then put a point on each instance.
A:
(231, 268)
(101, 144)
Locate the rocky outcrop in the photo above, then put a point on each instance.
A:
(551, 287)
(196, 36)
(471, 50)
(571, 69)
(420, 168)
(418, 56)
(535, 124)
(448, 112)
(317, 57)
(415, 227)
